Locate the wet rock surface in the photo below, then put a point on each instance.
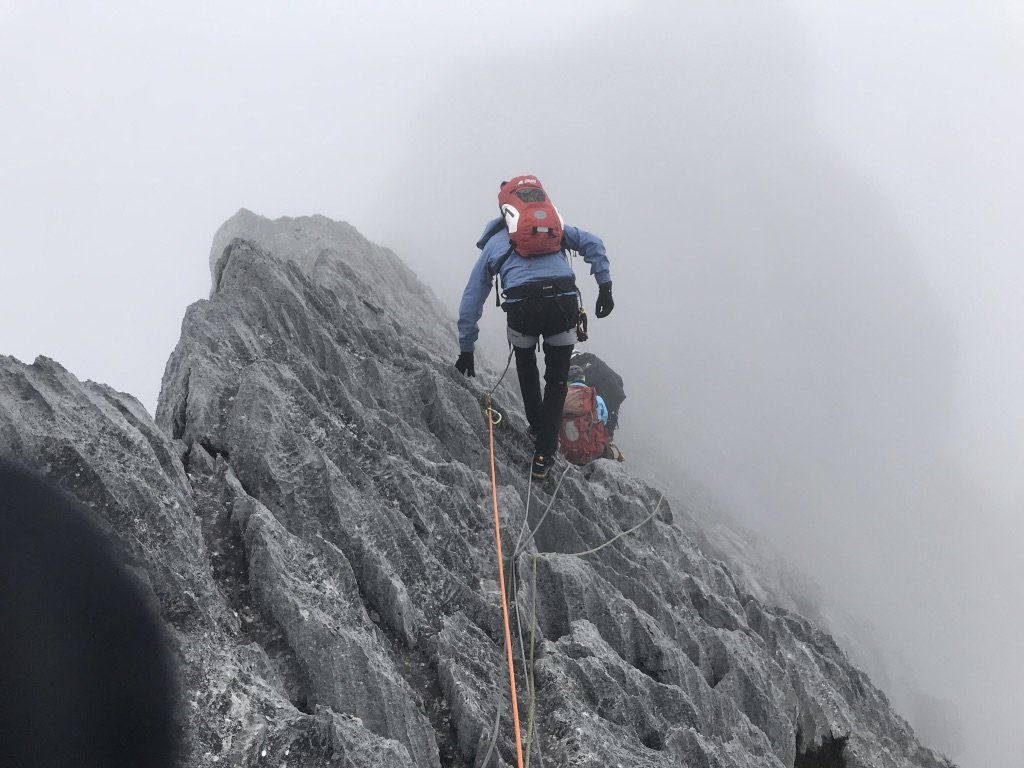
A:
(311, 509)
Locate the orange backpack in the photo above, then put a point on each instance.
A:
(582, 435)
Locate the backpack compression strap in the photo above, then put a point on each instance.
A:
(501, 263)
(497, 275)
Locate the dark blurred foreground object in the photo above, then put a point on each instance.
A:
(85, 676)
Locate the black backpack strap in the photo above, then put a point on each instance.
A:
(499, 224)
(497, 276)
(496, 227)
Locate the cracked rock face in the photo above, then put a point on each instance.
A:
(312, 511)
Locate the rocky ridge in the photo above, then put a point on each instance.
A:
(311, 510)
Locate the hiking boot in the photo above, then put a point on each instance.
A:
(541, 465)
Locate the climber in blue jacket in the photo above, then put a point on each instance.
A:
(540, 300)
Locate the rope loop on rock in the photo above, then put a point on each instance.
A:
(531, 681)
(494, 418)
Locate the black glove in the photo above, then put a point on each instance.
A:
(604, 300)
(464, 364)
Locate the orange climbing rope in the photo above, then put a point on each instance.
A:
(501, 581)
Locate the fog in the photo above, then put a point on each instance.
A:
(811, 210)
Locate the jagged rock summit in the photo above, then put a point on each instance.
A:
(311, 511)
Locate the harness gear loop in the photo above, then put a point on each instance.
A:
(501, 582)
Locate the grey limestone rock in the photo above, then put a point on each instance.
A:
(312, 511)
(101, 447)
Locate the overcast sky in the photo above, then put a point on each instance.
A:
(812, 211)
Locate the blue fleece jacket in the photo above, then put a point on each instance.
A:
(518, 271)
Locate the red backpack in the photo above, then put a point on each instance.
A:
(582, 434)
(534, 224)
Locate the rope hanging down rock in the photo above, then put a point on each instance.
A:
(501, 581)
(494, 418)
(531, 680)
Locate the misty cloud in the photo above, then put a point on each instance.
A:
(777, 334)
(812, 211)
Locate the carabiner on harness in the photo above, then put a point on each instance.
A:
(581, 325)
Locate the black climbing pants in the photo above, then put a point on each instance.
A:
(547, 310)
(544, 413)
